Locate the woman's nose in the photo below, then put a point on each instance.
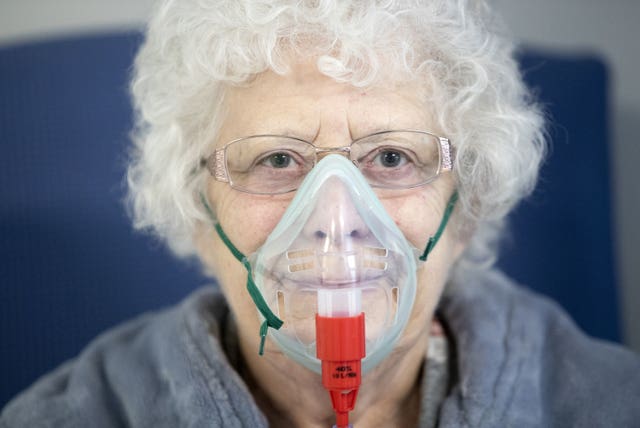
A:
(336, 223)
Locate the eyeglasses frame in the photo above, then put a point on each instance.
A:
(217, 166)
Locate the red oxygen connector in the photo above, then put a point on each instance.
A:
(340, 343)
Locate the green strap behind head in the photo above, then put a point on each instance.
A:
(443, 223)
(271, 320)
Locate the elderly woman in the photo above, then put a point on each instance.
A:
(342, 169)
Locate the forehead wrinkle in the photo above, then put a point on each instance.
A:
(259, 115)
(333, 128)
(395, 108)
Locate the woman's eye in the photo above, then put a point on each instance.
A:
(391, 158)
(278, 160)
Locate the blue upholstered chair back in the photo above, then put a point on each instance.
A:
(71, 267)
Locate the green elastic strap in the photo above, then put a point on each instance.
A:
(271, 320)
(443, 223)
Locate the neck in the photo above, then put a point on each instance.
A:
(290, 395)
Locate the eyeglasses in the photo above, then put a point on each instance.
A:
(275, 164)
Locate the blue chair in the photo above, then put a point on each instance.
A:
(562, 240)
(71, 266)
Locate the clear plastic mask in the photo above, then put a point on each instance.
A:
(336, 237)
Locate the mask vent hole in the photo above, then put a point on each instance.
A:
(395, 295)
(281, 307)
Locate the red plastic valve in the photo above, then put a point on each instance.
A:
(340, 343)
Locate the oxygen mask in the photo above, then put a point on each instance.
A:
(336, 251)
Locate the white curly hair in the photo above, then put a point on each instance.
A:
(195, 49)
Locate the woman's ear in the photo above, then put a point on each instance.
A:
(462, 234)
(459, 247)
(204, 238)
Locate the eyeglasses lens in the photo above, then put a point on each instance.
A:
(278, 164)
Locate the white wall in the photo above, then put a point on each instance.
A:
(608, 28)
(22, 20)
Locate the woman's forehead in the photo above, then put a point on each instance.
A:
(304, 102)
